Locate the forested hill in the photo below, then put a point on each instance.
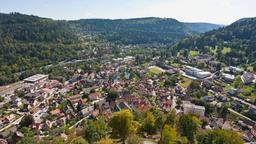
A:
(202, 27)
(143, 30)
(234, 44)
(19, 27)
(28, 42)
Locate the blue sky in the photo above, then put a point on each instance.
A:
(215, 11)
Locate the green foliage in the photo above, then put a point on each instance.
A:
(78, 140)
(219, 136)
(134, 139)
(28, 42)
(233, 45)
(28, 136)
(195, 90)
(160, 118)
(149, 124)
(19, 92)
(188, 126)
(106, 141)
(26, 121)
(168, 135)
(112, 95)
(95, 130)
(122, 124)
(171, 118)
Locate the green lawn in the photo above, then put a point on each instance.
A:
(156, 70)
(226, 50)
(185, 82)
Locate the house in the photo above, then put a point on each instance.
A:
(235, 70)
(123, 105)
(3, 141)
(248, 78)
(202, 58)
(193, 109)
(75, 99)
(87, 111)
(56, 112)
(94, 96)
(228, 77)
(9, 118)
(232, 92)
(95, 114)
(208, 98)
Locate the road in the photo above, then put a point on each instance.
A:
(245, 117)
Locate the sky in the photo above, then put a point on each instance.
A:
(213, 11)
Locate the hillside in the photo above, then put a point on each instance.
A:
(202, 27)
(234, 44)
(27, 42)
(143, 30)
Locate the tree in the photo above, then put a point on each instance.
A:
(112, 95)
(160, 118)
(57, 140)
(91, 133)
(122, 124)
(27, 140)
(168, 135)
(188, 126)
(134, 139)
(78, 140)
(149, 123)
(19, 92)
(106, 141)
(95, 130)
(238, 82)
(219, 136)
(194, 85)
(28, 136)
(26, 121)
(171, 118)
(102, 127)
(1, 99)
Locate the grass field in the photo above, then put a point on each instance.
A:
(156, 70)
(185, 82)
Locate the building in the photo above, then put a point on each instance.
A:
(248, 78)
(193, 109)
(228, 77)
(235, 70)
(202, 58)
(192, 71)
(36, 78)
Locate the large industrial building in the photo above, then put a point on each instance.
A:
(36, 78)
(198, 73)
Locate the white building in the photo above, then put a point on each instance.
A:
(228, 77)
(36, 78)
(248, 78)
(189, 108)
(196, 72)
